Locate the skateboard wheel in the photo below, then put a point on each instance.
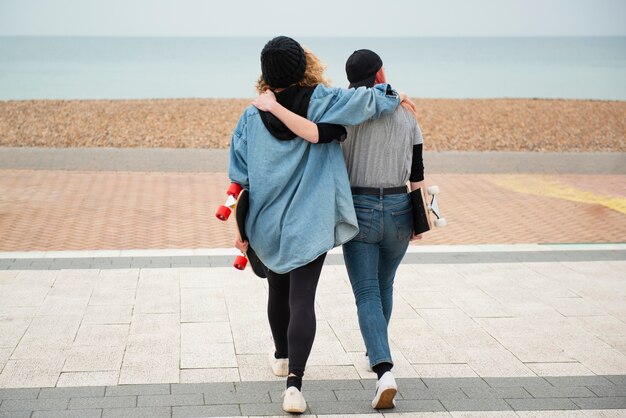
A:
(440, 223)
(240, 262)
(223, 213)
(433, 190)
(234, 189)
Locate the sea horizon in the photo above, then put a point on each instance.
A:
(113, 67)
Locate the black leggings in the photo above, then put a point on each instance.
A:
(291, 312)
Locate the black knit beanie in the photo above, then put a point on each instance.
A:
(282, 62)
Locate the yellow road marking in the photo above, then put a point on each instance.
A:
(541, 186)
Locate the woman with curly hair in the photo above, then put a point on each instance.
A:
(300, 201)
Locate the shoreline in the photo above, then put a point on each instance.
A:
(538, 125)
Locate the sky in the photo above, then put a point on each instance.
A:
(332, 18)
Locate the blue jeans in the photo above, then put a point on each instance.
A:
(372, 258)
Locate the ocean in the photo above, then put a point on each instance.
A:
(145, 68)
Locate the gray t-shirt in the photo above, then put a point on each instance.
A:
(378, 152)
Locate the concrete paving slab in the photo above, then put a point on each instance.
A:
(88, 378)
(444, 370)
(202, 304)
(220, 374)
(542, 404)
(80, 413)
(134, 390)
(109, 314)
(170, 400)
(112, 335)
(94, 358)
(601, 403)
(149, 412)
(31, 373)
(559, 369)
(103, 402)
(475, 404)
(9, 405)
(81, 392)
(19, 393)
(16, 414)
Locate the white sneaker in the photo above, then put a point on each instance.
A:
(386, 390)
(293, 401)
(279, 366)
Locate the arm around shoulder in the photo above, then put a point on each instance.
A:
(302, 127)
(354, 106)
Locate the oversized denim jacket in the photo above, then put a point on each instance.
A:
(300, 199)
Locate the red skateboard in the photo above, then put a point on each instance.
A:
(223, 212)
(238, 199)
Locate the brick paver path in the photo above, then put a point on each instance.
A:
(74, 210)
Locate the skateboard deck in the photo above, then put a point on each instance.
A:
(422, 210)
(241, 213)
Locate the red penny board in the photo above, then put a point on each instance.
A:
(241, 213)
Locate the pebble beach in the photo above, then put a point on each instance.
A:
(447, 124)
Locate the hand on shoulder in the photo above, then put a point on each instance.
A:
(407, 103)
(265, 101)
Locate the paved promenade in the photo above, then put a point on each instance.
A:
(96, 204)
(117, 299)
(485, 328)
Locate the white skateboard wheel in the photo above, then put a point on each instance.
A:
(433, 190)
(440, 223)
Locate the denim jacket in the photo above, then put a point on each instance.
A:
(300, 199)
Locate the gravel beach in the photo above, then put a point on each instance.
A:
(447, 124)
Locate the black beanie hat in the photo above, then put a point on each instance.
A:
(282, 62)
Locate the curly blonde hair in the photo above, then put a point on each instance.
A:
(313, 74)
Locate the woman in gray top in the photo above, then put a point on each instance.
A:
(382, 155)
